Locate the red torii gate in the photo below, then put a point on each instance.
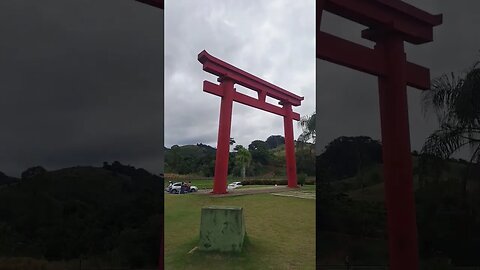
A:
(390, 23)
(228, 76)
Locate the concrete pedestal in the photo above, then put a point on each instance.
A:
(222, 228)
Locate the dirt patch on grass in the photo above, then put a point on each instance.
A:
(247, 191)
(297, 194)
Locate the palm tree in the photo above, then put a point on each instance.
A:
(307, 123)
(456, 103)
(243, 158)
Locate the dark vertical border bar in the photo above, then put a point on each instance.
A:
(160, 4)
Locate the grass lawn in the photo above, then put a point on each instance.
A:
(361, 250)
(280, 233)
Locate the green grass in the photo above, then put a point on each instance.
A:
(255, 186)
(280, 233)
(308, 188)
(203, 184)
(335, 246)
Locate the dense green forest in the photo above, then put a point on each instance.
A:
(352, 211)
(267, 158)
(110, 214)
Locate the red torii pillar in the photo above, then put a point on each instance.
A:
(230, 75)
(390, 22)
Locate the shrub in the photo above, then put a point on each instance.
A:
(301, 179)
(274, 181)
(264, 182)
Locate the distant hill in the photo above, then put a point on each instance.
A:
(368, 183)
(345, 156)
(268, 159)
(110, 213)
(352, 210)
(190, 158)
(7, 180)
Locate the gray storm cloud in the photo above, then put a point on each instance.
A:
(81, 83)
(347, 100)
(264, 38)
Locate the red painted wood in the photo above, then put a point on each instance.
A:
(233, 75)
(397, 159)
(290, 147)
(361, 58)
(349, 54)
(247, 100)
(415, 25)
(390, 22)
(220, 68)
(319, 7)
(418, 76)
(223, 141)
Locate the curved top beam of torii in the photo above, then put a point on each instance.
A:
(223, 69)
(414, 24)
(380, 16)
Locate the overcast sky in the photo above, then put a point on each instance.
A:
(272, 39)
(81, 80)
(80, 83)
(347, 100)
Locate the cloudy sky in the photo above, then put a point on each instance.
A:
(81, 80)
(272, 39)
(347, 100)
(80, 83)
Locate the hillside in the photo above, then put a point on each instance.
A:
(352, 210)
(373, 186)
(7, 180)
(268, 159)
(190, 158)
(110, 214)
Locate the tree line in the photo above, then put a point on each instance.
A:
(258, 158)
(110, 214)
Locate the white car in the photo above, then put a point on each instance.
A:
(234, 185)
(177, 188)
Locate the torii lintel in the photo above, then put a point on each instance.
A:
(222, 69)
(414, 24)
(383, 17)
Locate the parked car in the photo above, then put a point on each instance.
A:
(234, 185)
(176, 188)
(169, 187)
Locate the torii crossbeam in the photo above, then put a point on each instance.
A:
(390, 23)
(228, 76)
